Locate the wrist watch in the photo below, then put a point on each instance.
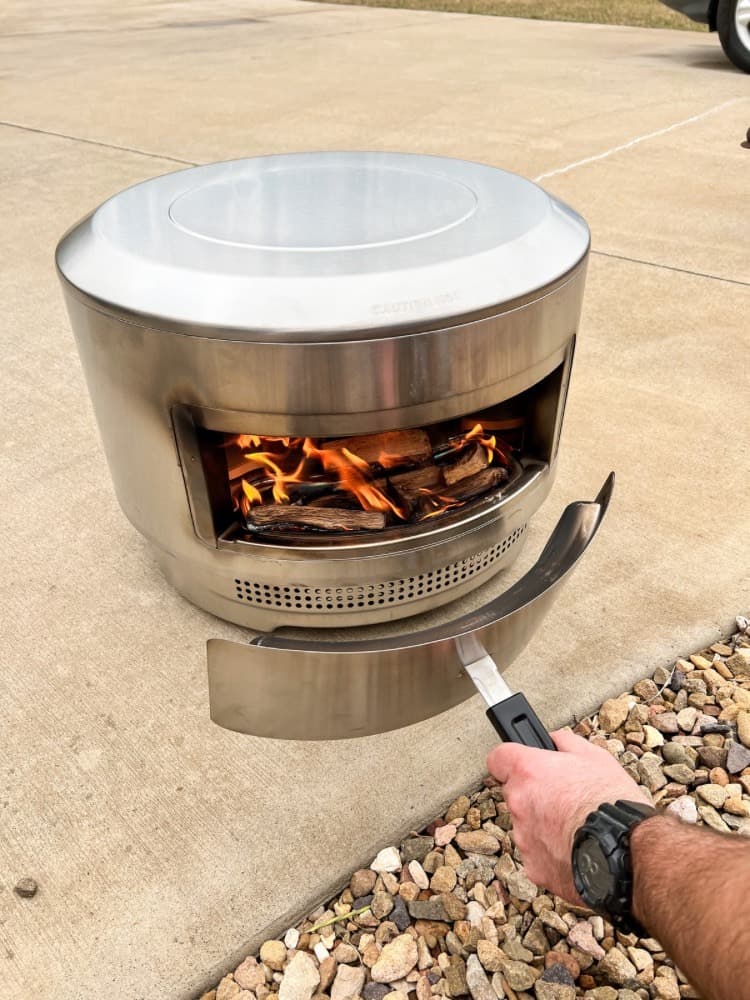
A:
(602, 869)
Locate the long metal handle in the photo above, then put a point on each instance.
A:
(515, 721)
(316, 689)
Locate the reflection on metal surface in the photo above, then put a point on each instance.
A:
(290, 689)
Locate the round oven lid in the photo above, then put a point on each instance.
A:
(319, 245)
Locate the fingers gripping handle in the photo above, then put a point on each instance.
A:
(515, 721)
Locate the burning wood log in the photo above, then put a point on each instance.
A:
(389, 449)
(473, 486)
(469, 462)
(409, 485)
(322, 518)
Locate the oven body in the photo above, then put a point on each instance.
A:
(331, 295)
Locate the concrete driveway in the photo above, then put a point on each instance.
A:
(163, 846)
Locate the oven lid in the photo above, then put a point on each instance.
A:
(322, 246)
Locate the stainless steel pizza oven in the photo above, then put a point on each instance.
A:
(330, 386)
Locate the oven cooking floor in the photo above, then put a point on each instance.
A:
(164, 848)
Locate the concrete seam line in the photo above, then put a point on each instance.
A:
(637, 140)
(98, 142)
(671, 267)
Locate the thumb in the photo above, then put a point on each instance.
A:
(506, 758)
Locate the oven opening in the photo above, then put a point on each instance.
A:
(304, 490)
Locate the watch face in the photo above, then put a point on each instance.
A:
(593, 871)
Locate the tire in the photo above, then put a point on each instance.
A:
(733, 25)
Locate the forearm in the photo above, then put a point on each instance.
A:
(690, 891)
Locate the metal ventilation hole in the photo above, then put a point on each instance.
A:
(373, 595)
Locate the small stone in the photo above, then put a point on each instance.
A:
(362, 882)
(443, 880)
(713, 794)
(666, 722)
(650, 772)
(455, 977)
(520, 886)
(227, 989)
(291, 938)
(743, 728)
(416, 848)
(387, 860)
(345, 953)
(737, 806)
(273, 954)
(613, 714)
(675, 753)
(458, 808)
(665, 989)
(712, 756)
(535, 939)
(382, 904)
(739, 663)
(711, 818)
(686, 719)
(375, 991)
(349, 981)
(250, 975)
(557, 974)
(327, 971)
(617, 968)
(399, 915)
(738, 757)
(490, 956)
(445, 834)
(653, 738)
(552, 919)
(515, 951)
(681, 773)
(424, 957)
(419, 875)
(646, 689)
(478, 842)
(477, 981)
(565, 959)
(519, 975)
(396, 959)
(582, 937)
(26, 888)
(301, 977)
(408, 891)
(321, 952)
(684, 808)
(553, 991)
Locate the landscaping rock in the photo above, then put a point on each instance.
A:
(396, 960)
(301, 978)
(387, 860)
(349, 982)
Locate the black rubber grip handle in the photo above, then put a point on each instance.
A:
(515, 721)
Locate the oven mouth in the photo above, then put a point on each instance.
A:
(292, 495)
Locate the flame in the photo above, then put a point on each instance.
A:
(350, 469)
(281, 463)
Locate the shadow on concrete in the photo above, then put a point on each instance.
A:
(698, 57)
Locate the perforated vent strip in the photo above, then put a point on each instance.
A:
(373, 595)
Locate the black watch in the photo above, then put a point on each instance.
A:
(602, 870)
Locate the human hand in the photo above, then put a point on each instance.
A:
(551, 794)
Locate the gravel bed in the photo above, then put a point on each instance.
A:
(450, 912)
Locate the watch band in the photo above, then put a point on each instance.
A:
(610, 826)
